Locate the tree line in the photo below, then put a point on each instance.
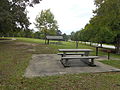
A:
(104, 26)
(15, 23)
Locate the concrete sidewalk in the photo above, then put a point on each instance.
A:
(49, 64)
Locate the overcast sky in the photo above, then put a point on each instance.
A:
(71, 15)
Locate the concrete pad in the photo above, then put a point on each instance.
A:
(49, 64)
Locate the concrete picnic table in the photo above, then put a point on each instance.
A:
(84, 58)
(86, 51)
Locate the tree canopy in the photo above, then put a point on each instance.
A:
(46, 23)
(13, 15)
(104, 27)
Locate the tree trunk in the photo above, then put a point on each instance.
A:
(90, 43)
(77, 44)
(48, 41)
(117, 46)
(100, 44)
(45, 38)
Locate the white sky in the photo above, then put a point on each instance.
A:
(71, 15)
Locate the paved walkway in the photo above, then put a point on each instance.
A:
(49, 64)
(103, 45)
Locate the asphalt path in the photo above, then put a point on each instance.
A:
(103, 45)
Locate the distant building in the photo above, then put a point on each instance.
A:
(56, 38)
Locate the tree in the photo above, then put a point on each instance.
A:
(58, 33)
(75, 37)
(72, 36)
(98, 2)
(65, 37)
(37, 34)
(108, 15)
(13, 15)
(105, 25)
(46, 23)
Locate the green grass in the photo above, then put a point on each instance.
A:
(63, 45)
(114, 63)
(12, 57)
(15, 57)
(30, 40)
(91, 81)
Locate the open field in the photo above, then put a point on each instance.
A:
(15, 57)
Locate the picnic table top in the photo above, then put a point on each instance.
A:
(75, 50)
(78, 57)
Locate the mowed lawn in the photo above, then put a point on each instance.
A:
(15, 57)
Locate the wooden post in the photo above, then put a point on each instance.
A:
(108, 54)
(48, 41)
(100, 44)
(96, 51)
(90, 43)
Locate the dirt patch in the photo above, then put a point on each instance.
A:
(24, 43)
(5, 39)
(31, 50)
(28, 46)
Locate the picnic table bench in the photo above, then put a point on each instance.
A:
(84, 58)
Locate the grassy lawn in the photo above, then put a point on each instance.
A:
(114, 63)
(15, 57)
